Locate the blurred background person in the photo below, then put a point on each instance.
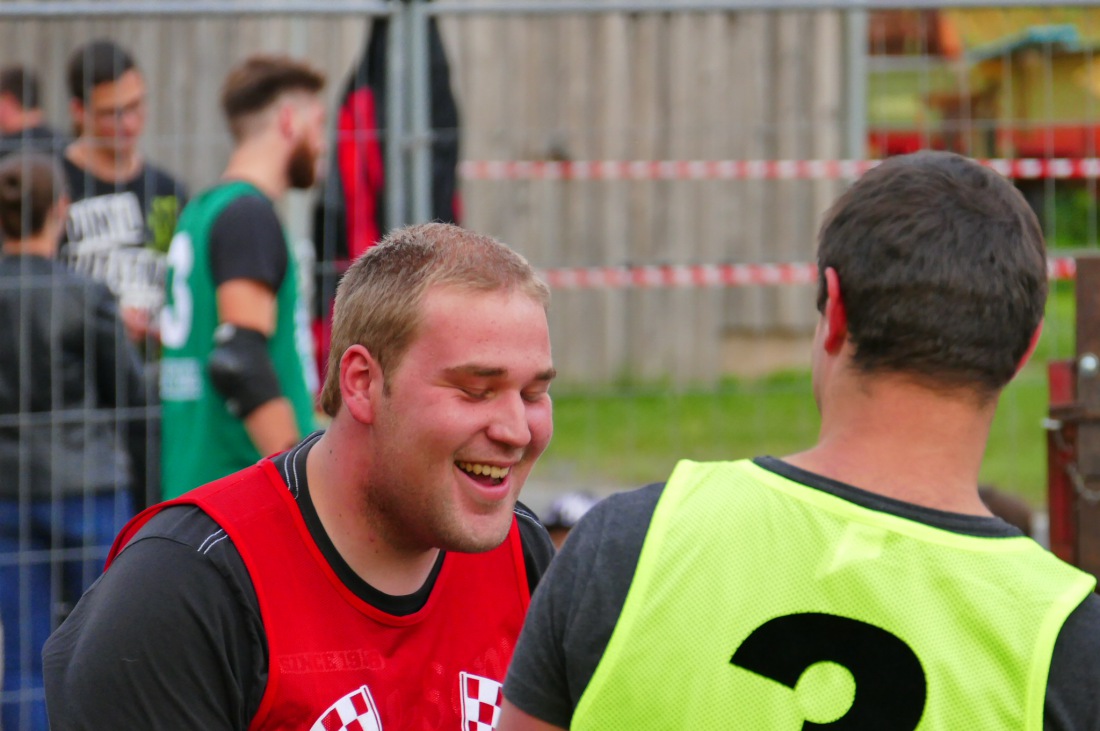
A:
(564, 512)
(238, 378)
(124, 208)
(71, 390)
(22, 121)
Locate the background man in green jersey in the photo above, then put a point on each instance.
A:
(237, 380)
(861, 582)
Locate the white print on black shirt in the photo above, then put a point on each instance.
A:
(106, 241)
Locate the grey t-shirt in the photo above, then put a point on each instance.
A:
(581, 596)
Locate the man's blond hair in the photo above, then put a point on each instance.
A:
(379, 299)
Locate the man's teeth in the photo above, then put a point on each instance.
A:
(497, 473)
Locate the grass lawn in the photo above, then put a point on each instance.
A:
(629, 436)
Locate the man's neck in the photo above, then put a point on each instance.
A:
(104, 162)
(43, 245)
(898, 439)
(335, 487)
(255, 164)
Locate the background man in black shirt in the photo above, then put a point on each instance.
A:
(124, 208)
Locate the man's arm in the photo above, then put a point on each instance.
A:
(250, 305)
(571, 616)
(249, 259)
(168, 638)
(1072, 702)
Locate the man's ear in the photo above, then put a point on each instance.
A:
(286, 118)
(835, 316)
(361, 382)
(1034, 343)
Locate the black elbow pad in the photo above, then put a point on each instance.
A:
(241, 370)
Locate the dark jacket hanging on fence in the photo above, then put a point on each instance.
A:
(351, 211)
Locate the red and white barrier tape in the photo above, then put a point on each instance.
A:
(714, 275)
(1022, 168)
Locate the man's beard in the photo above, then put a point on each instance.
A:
(301, 169)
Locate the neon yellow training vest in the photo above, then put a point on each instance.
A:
(761, 603)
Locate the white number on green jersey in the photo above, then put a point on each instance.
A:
(176, 317)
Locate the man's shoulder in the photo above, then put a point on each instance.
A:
(615, 528)
(234, 202)
(57, 277)
(151, 180)
(82, 183)
(168, 578)
(1082, 632)
(1071, 699)
(244, 200)
(41, 139)
(55, 140)
(187, 525)
(628, 511)
(160, 181)
(183, 529)
(622, 514)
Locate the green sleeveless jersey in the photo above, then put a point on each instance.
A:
(201, 440)
(760, 603)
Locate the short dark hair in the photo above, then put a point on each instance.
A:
(97, 62)
(942, 271)
(259, 80)
(30, 184)
(21, 84)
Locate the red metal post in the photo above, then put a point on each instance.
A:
(1061, 456)
(1087, 477)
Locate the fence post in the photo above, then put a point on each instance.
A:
(1061, 428)
(420, 140)
(397, 52)
(408, 117)
(855, 81)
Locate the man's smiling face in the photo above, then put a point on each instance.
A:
(463, 419)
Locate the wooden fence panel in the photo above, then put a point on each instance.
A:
(640, 86)
(653, 86)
